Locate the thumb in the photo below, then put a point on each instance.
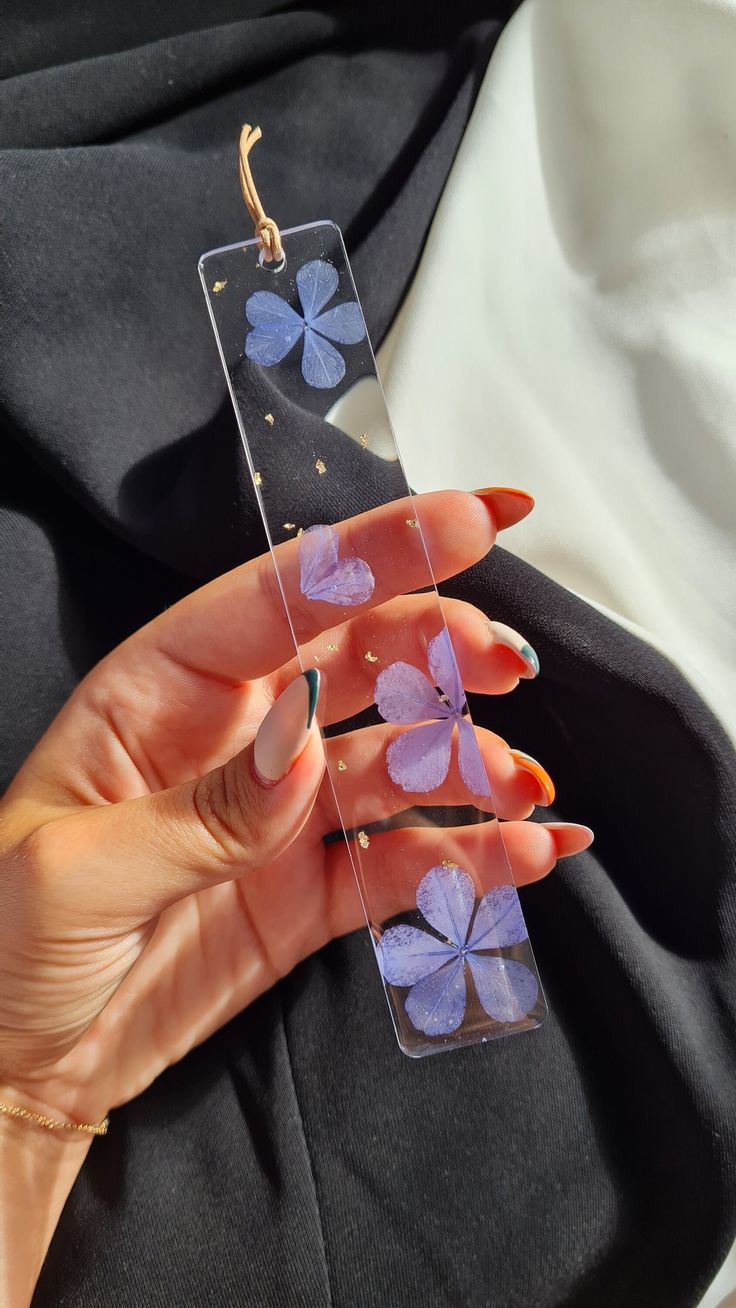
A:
(137, 857)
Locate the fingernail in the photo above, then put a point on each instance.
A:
(283, 732)
(504, 635)
(546, 785)
(569, 837)
(506, 505)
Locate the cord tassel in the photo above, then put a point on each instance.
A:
(267, 232)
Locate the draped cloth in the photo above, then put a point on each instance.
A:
(296, 1157)
(585, 340)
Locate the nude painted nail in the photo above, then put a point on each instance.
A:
(546, 785)
(284, 731)
(506, 505)
(504, 635)
(569, 837)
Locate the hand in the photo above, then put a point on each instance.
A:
(152, 847)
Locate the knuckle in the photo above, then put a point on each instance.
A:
(33, 873)
(267, 583)
(18, 819)
(271, 598)
(227, 811)
(39, 854)
(363, 670)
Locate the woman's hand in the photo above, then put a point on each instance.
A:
(161, 864)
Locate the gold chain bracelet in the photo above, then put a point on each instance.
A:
(53, 1123)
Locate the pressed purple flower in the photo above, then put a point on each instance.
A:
(434, 966)
(419, 760)
(276, 327)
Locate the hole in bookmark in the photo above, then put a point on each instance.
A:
(271, 265)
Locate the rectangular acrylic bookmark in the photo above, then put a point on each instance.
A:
(435, 880)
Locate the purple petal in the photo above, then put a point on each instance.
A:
(322, 365)
(444, 669)
(343, 324)
(403, 694)
(498, 921)
(276, 328)
(419, 760)
(470, 759)
(406, 954)
(318, 550)
(316, 283)
(324, 577)
(350, 582)
(506, 989)
(436, 1004)
(445, 897)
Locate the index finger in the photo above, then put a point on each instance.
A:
(237, 628)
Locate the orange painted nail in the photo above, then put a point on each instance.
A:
(506, 505)
(545, 783)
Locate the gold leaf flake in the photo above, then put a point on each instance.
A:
(316, 658)
(258, 478)
(364, 441)
(300, 532)
(269, 418)
(363, 840)
(289, 526)
(342, 765)
(321, 467)
(218, 286)
(333, 647)
(449, 862)
(412, 522)
(370, 657)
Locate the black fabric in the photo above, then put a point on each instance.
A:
(297, 1157)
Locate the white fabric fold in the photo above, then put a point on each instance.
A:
(584, 349)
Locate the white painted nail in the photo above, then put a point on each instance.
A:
(513, 640)
(283, 732)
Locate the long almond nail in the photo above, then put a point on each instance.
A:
(504, 635)
(284, 731)
(545, 784)
(506, 505)
(569, 837)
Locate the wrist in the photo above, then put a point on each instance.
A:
(58, 1095)
(38, 1168)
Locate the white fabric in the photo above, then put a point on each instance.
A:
(584, 350)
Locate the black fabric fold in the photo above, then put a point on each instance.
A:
(297, 1157)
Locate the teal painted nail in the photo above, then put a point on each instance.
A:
(312, 679)
(513, 640)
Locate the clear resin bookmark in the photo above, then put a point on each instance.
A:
(435, 881)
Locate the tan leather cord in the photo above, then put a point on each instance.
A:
(267, 232)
